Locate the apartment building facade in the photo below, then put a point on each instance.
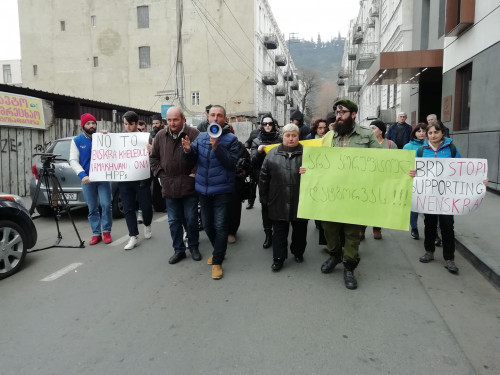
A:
(393, 59)
(11, 72)
(148, 53)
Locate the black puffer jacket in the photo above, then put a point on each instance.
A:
(279, 182)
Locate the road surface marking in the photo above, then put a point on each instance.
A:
(162, 218)
(62, 272)
(120, 240)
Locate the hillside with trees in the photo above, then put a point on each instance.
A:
(319, 62)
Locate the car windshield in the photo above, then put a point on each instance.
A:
(60, 148)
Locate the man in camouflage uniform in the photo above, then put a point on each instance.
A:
(346, 133)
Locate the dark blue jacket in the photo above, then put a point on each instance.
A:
(392, 133)
(216, 168)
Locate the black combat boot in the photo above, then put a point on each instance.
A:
(329, 265)
(268, 242)
(349, 279)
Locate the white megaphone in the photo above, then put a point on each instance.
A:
(214, 130)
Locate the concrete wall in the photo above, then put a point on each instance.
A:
(482, 140)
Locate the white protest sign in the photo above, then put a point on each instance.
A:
(448, 186)
(119, 157)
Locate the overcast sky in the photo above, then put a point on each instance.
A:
(307, 18)
(327, 17)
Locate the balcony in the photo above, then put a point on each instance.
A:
(288, 76)
(358, 35)
(340, 82)
(373, 12)
(351, 54)
(279, 91)
(270, 41)
(355, 84)
(294, 85)
(343, 74)
(269, 78)
(371, 24)
(280, 60)
(367, 54)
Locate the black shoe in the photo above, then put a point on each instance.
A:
(438, 241)
(299, 258)
(277, 265)
(329, 265)
(249, 205)
(195, 254)
(349, 279)
(177, 257)
(414, 234)
(268, 242)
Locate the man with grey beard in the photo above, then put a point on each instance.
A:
(346, 133)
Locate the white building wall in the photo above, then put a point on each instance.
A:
(14, 66)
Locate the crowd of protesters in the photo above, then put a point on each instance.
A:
(208, 167)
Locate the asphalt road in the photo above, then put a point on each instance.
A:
(130, 312)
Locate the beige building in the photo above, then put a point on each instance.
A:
(148, 53)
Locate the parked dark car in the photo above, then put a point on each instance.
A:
(71, 183)
(17, 234)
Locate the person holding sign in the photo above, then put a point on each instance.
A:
(217, 154)
(439, 146)
(176, 174)
(279, 186)
(417, 137)
(94, 192)
(346, 133)
(132, 190)
(268, 135)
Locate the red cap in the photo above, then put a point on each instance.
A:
(87, 117)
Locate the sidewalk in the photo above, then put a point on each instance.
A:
(478, 238)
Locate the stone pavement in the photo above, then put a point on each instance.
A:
(478, 238)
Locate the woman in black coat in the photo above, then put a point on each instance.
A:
(279, 187)
(269, 134)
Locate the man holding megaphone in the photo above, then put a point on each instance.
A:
(217, 153)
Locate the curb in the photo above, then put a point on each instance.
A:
(479, 259)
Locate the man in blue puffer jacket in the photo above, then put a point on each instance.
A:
(214, 181)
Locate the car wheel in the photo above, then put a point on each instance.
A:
(117, 206)
(45, 211)
(12, 248)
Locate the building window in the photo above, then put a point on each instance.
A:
(96, 61)
(143, 17)
(195, 98)
(7, 75)
(144, 58)
(63, 25)
(463, 85)
(35, 70)
(93, 21)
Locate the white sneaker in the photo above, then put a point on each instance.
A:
(132, 242)
(147, 232)
(140, 220)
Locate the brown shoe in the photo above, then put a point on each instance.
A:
(217, 272)
(377, 234)
(231, 238)
(209, 260)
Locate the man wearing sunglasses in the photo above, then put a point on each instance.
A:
(346, 133)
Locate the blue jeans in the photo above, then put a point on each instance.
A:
(413, 220)
(96, 193)
(130, 191)
(180, 210)
(214, 217)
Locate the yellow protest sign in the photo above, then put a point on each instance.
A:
(307, 142)
(357, 186)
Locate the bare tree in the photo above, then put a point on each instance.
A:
(310, 84)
